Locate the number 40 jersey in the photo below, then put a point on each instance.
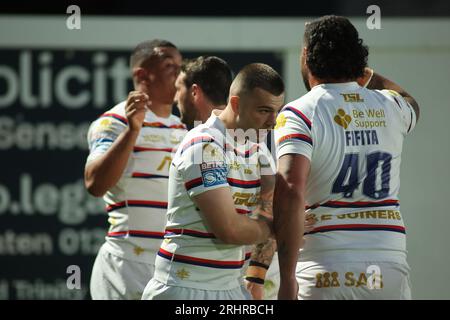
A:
(353, 138)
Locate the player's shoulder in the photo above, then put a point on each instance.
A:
(115, 115)
(301, 109)
(385, 93)
(117, 110)
(112, 119)
(308, 103)
(388, 97)
(198, 144)
(197, 137)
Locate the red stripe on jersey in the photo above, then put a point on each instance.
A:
(195, 141)
(147, 233)
(359, 227)
(143, 149)
(243, 211)
(137, 203)
(363, 204)
(193, 183)
(162, 125)
(200, 261)
(296, 136)
(256, 183)
(115, 116)
(190, 232)
(300, 115)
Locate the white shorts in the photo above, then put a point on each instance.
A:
(115, 278)
(156, 290)
(353, 280)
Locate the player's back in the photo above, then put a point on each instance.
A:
(353, 137)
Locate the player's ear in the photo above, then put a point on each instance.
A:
(195, 92)
(304, 52)
(234, 102)
(141, 74)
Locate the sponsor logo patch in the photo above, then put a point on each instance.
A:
(342, 119)
(213, 173)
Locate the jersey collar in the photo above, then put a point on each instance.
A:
(353, 85)
(215, 122)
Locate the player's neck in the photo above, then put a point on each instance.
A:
(313, 81)
(228, 119)
(161, 110)
(205, 111)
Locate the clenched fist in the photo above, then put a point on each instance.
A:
(135, 108)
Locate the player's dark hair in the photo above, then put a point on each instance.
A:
(334, 49)
(146, 50)
(260, 75)
(212, 74)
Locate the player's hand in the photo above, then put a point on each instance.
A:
(310, 221)
(268, 220)
(135, 109)
(255, 289)
(288, 290)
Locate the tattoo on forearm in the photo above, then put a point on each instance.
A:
(264, 252)
(266, 206)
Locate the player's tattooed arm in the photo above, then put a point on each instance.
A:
(266, 205)
(261, 259)
(264, 252)
(265, 201)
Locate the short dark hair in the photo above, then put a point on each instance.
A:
(212, 74)
(260, 75)
(334, 49)
(146, 50)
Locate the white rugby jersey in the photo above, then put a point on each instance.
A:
(137, 205)
(353, 137)
(191, 256)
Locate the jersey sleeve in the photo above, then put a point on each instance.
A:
(407, 113)
(293, 133)
(203, 166)
(102, 134)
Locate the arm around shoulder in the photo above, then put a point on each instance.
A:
(218, 210)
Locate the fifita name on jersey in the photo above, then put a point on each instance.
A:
(361, 137)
